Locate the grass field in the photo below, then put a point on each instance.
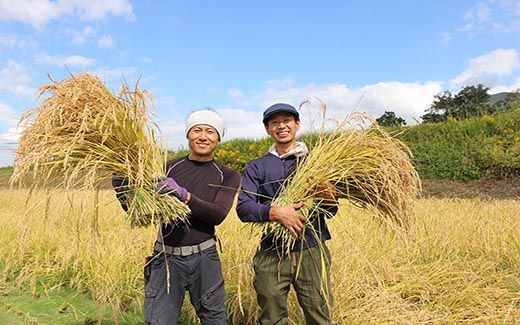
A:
(459, 264)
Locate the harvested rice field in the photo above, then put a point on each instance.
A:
(459, 264)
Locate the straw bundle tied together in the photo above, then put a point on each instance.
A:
(368, 167)
(82, 134)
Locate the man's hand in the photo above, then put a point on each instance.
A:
(118, 182)
(289, 217)
(169, 185)
(326, 191)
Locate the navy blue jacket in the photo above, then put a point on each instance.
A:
(261, 183)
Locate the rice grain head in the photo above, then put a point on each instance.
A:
(82, 135)
(368, 167)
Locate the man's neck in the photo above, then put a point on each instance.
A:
(282, 148)
(199, 158)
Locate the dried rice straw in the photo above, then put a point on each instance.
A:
(82, 135)
(369, 168)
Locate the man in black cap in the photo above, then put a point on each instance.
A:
(275, 270)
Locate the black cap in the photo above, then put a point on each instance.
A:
(278, 108)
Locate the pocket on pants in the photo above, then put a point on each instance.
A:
(150, 295)
(215, 298)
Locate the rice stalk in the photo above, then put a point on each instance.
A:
(367, 166)
(82, 135)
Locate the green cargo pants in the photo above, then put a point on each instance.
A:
(274, 275)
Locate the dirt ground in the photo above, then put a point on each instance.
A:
(507, 188)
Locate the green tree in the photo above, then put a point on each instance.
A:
(440, 109)
(390, 119)
(471, 101)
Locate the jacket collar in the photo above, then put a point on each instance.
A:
(299, 150)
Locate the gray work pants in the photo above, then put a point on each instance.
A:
(307, 271)
(200, 274)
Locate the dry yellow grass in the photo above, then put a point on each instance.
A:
(82, 134)
(460, 264)
(368, 167)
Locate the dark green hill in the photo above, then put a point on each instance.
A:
(493, 99)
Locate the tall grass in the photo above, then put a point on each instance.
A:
(459, 266)
(367, 167)
(82, 134)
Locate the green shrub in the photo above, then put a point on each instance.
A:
(456, 149)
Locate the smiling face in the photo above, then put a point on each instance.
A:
(203, 140)
(282, 127)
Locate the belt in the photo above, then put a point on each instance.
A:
(185, 250)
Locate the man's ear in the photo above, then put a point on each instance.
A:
(266, 128)
(297, 125)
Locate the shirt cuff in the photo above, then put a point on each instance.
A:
(264, 212)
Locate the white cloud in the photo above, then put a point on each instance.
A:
(97, 9)
(33, 12)
(506, 88)
(8, 139)
(492, 17)
(115, 77)
(79, 37)
(8, 145)
(164, 101)
(7, 115)
(172, 132)
(12, 136)
(475, 16)
(408, 100)
(487, 68)
(235, 94)
(14, 41)
(106, 42)
(513, 5)
(15, 78)
(72, 60)
(242, 123)
(39, 12)
(88, 30)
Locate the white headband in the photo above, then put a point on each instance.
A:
(208, 117)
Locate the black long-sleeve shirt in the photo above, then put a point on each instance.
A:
(213, 186)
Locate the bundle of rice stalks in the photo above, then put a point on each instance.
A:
(82, 135)
(368, 167)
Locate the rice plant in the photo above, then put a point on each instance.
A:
(82, 135)
(454, 269)
(367, 166)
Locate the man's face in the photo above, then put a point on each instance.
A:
(282, 127)
(203, 140)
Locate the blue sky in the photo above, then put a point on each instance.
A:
(239, 57)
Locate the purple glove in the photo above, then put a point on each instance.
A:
(168, 185)
(119, 184)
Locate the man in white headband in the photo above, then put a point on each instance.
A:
(208, 187)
